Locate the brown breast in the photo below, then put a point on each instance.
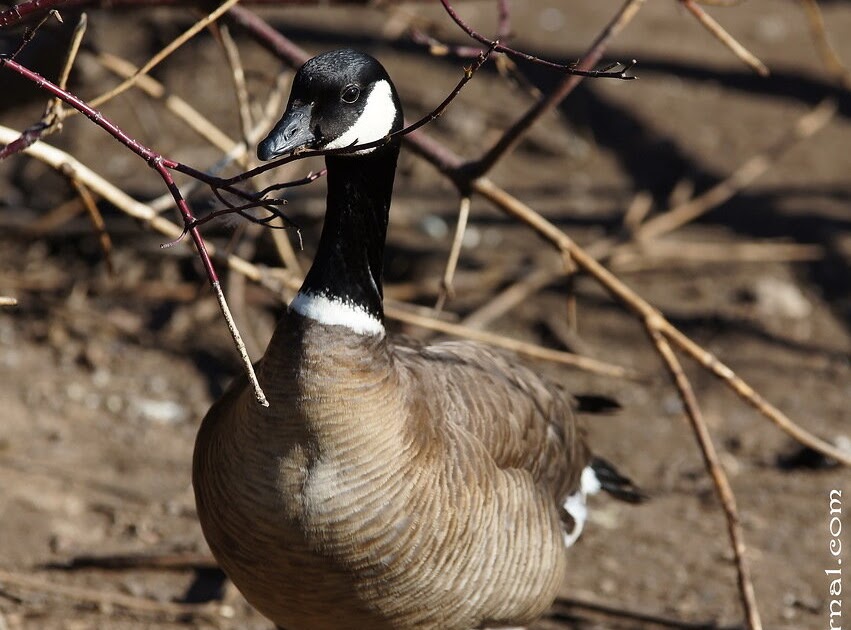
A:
(358, 500)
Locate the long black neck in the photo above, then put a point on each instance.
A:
(349, 262)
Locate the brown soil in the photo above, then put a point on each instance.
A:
(104, 379)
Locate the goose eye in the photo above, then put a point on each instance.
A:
(351, 93)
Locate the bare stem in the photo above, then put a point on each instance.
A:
(713, 466)
(725, 38)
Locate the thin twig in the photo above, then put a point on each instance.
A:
(643, 309)
(666, 253)
(747, 173)
(713, 465)
(446, 290)
(54, 108)
(238, 76)
(161, 166)
(576, 69)
(165, 52)
(97, 220)
(512, 296)
(520, 347)
(194, 119)
(547, 102)
(825, 49)
(34, 8)
(50, 120)
(8, 301)
(725, 38)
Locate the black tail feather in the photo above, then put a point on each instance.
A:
(615, 483)
(593, 403)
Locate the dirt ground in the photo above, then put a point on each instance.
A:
(104, 377)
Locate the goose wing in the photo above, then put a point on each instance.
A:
(524, 421)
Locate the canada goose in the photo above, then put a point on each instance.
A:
(385, 486)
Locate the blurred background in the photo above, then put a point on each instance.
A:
(116, 348)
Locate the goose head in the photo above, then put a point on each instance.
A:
(339, 99)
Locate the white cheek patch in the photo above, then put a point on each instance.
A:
(334, 311)
(374, 123)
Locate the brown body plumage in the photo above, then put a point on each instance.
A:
(388, 487)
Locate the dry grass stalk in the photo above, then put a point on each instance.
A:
(667, 253)
(756, 166)
(626, 296)
(446, 290)
(512, 296)
(194, 119)
(725, 38)
(54, 107)
(98, 223)
(520, 347)
(238, 75)
(825, 50)
(160, 56)
(713, 465)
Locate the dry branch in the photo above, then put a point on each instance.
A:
(718, 31)
(446, 290)
(746, 174)
(828, 55)
(713, 465)
(549, 101)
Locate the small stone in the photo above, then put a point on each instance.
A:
(778, 298)
(434, 226)
(160, 411)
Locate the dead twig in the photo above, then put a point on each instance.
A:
(666, 253)
(577, 69)
(520, 347)
(238, 75)
(178, 561)
(716, 471)
(446, 290)
(746, 174)
(8, 301)
(51, 118)
(512, 296)
(96, 218)
(161, 166)
(644, 310)
(194, 119)
(725, 38)
(53, 113)
(511, 137)
(161, 55)
(825, 50)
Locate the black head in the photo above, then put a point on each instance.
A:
(338, 99)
